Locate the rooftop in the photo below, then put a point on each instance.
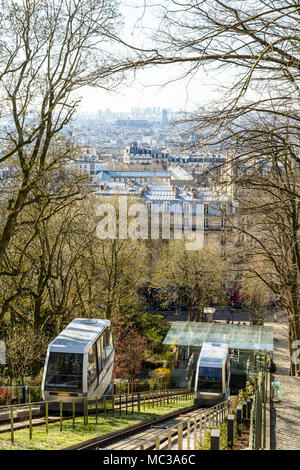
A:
(78, 335)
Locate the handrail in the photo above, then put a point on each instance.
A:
(205, 414)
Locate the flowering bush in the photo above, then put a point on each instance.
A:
(161, 375)
(37, 381)
(34, 385)
(6, 392)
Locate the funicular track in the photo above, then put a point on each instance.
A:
(105, 442)
(166, 432)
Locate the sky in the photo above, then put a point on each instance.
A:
(149, 88)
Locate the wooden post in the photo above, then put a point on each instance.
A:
(139, 402)
(195, 432)
(60, 415)
(230, 431)
(105, 406)
(96, 410)
(30, 421)
(113, 405)
(169, 439)
(189, 434)
(144, 402)
(179, 431)
(47, 415)
(120, 405)
(126, 403)
(215, 439)
(157, 443)
(73, 412)
(11, 424)
(132, 403)
(85, 410)
(239, 419)
(200, 427)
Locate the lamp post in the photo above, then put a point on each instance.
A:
(209, 313)
(232, 310)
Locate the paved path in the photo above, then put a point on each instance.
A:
(284, 431)
(285, 415)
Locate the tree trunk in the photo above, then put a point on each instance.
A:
(294, 345)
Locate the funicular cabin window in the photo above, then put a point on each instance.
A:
(92, 365)
(99, 354)
(64, 371)
(108, 343)
(210, 378)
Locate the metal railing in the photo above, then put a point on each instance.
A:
(191, 429)
(261, 397)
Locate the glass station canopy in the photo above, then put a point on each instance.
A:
(250, 338)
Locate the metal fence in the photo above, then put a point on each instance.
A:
(190, 432)
(261, 397)
(17, 394)
(117, 405)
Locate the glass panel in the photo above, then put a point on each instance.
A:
(210, 378)
(92, 366)
(259, 338)
(99, 354)
(108, 343)
(64, 371)
(103, 339)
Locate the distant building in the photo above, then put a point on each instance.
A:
(133, 123)
(142, 155)
(164, 116)
(89, 164)
(188, 209)
(173, 176)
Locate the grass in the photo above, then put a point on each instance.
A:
(56, 439)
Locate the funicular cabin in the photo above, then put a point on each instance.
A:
(247, 351)
(79, 362)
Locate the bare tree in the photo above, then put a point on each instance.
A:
(255, 45)
(194, 276)
(49, 50)
(25, 351)
(255, 295)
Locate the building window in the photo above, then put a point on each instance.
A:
(186, 222)
(205, 209)
(166, 207)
